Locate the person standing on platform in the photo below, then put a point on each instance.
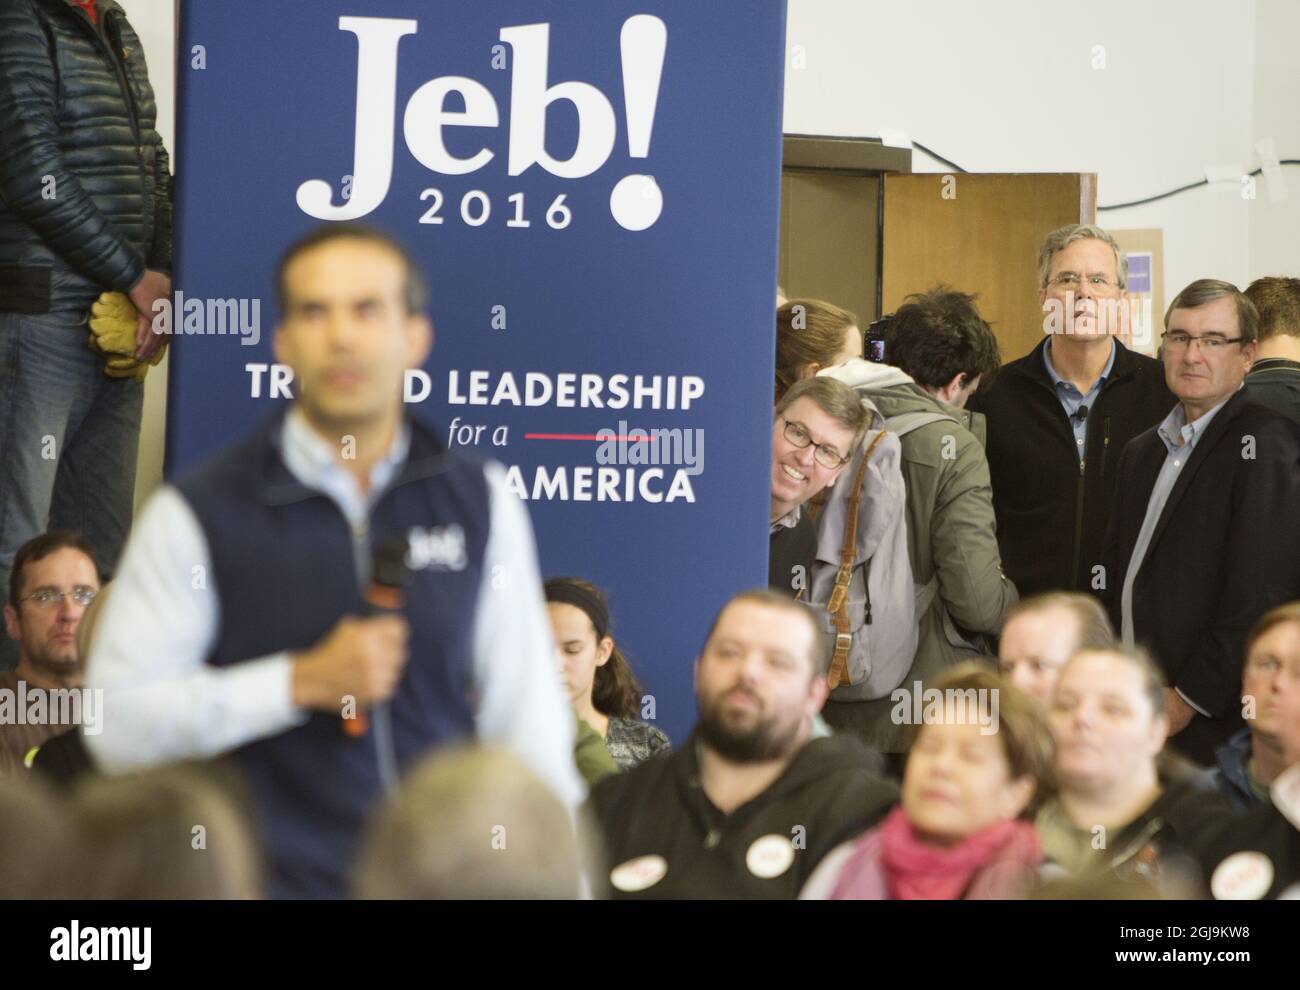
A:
(85, 209)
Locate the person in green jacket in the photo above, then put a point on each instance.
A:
(937, 347)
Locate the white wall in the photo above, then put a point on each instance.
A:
(155, 22)
(1009, 86)
(1275, 225)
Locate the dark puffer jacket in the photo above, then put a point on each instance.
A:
(85, 192)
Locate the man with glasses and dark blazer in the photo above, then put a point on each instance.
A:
(1205, 536)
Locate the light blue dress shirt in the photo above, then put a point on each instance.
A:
(1180, 438)
(1072, 399)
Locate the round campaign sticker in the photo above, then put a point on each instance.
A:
(1243, 876)
(769, 856)
(638, 874)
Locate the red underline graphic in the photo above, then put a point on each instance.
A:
(580, 436)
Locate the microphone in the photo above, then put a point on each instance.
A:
(1081, 414)
(385, 595)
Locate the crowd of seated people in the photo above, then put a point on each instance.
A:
(1004, 794)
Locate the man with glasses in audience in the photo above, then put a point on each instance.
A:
(1205, 536)
(1257, 854)
(53, 582)
(1058, 417)
(1251, 760)
(818, 423)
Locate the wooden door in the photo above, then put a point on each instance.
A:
(979, 234)
(830, 239)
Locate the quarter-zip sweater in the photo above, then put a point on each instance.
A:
(1053, 508)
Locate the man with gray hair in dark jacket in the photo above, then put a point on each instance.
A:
(1059, 416)
(85, 208)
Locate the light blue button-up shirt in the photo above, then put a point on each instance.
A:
(312, 460)
(310, 457)
(1072, 399)
(1180, 438)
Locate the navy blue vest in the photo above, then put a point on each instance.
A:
(283, 566)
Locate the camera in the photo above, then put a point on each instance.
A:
(873, 340)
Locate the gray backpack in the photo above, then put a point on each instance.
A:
(861, 584)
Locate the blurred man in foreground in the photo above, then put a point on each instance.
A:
(243, 620)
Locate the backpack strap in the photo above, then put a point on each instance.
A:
(838, 605)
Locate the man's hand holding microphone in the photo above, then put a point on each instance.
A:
(360, 657)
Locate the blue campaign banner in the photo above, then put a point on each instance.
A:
(592, 187)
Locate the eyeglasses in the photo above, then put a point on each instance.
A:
(1071, 280)
(46, 597)
(824, 454)
(1211, 343)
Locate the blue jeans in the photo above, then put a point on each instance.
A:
(68, 441)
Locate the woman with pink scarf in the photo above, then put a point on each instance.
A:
(981, 757)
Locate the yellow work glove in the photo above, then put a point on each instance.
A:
(118, 366)
(113, 320)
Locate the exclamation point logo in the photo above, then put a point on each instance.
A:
(637, 200)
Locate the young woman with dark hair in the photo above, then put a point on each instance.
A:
(600, 683)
